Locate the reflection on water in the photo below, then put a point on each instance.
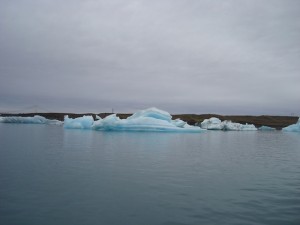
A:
(55, 176)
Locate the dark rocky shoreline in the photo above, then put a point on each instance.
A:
(277, 122)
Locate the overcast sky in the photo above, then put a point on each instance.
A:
(183, 56)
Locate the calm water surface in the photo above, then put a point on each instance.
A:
(49, 176)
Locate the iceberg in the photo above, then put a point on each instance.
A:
(293, 127)
(212, 124)
(230, 126)
(216, 124)
(29, 120)
(84, 122)
(151, 119)
(266, 128)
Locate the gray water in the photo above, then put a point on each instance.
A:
(53, 176)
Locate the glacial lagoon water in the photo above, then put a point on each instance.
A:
(49, 175)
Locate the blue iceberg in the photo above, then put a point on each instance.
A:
(266, 128)
(29, 120)
(216, 124)
(151, 119)
(85, 122)
(293, 127)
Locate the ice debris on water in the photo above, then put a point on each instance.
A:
(216, 124)
(29, 120)
(294, 127)
(151, 119)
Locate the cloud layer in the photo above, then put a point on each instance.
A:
(183, 56)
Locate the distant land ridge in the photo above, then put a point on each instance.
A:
(277, 122)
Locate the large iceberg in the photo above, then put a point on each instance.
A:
(293, 127)
(30, 120)
(151, 119)
(216, 124)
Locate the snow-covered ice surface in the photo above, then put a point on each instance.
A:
(216, 124)
(266, 128)
(29, 120)
(151, 119)
(294, 127)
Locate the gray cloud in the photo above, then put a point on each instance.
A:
(182, 56)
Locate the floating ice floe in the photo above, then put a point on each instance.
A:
(151, 119)
(266, 128)
(293, 127)
(212, 124)
(238, 127)
(85, 122)
(29, 120)
(216, 124)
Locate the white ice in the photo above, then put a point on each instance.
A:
(228, 125)
(151, 119)
(29, 120)
(216, 124)
(212, 124)
(293, 127)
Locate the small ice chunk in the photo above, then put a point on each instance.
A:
(266, 128)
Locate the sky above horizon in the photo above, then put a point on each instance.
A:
(183, 56)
